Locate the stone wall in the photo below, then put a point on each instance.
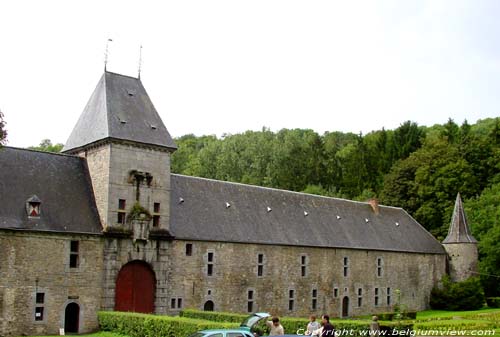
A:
(235, 269)
(98, 161)
(124, 159)
(462, 260)
(33, 263)
(118, 252)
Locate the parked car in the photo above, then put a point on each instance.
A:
(246, 328)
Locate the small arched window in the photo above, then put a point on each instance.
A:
(33, 207)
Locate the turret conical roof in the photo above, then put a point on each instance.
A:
(121, 109)
(459, 231)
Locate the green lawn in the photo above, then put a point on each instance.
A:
(95, 334)
(436, 314)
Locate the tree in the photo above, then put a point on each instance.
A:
(464, 295)
(407, 139)
(3, 132)
(483, 214)
(47, 146)
(427, 182)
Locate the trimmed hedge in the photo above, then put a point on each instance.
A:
(213, 316)
(390, 316)
(452, 324)
(290, 324)
(142, 325)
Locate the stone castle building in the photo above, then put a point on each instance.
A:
(107, 226)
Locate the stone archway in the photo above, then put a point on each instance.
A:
(135, 288)
(209, 306)
(345, 306)
(72, 318)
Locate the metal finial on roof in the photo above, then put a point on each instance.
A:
(106, 54)
(181, 200)
(367, 220)
(397, 224)
(228, 205)
(338, 217)
(269, 209)
(140, 63)
(306, 213)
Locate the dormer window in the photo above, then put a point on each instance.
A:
(33, 206)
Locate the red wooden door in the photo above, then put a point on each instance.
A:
(135, 288)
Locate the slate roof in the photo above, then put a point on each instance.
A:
(61, 183)
(119, 108)
(459, 231)
(211, 210)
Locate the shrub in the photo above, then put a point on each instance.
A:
(465, 295)
(142, 325)
(389, 316)
(493, 302)
(386, 316)
(213, 316)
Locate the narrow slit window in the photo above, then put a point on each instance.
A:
(40, 298)
(260, 265)
(388, 296)
(74, 254)
(291, 299)
(189, 249)
(156, 214)
(379, 267)
(360, 297)
(250, 301)
(376, 297)
(303, 265)
(39, 314)
(39, 306)
(210, 264)
(121, 211)
(346, 267)
(314, 296)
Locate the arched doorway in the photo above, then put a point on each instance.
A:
(135, 288)
(209, 306)
(345, 306)
(71, 318)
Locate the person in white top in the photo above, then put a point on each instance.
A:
(312, 327)
(276, 327)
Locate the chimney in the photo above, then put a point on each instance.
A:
(374, 203)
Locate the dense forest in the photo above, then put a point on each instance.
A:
(418, 168)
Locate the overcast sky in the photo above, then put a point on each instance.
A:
(214, 67)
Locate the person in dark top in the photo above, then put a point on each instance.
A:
(328, 330)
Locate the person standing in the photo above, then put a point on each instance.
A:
(276, 329)
(328, 330)
(312, 327)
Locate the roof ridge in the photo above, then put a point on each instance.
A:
(279, 190)
(40, 151)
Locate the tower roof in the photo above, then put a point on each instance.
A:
(119, 108)
(459, 231)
